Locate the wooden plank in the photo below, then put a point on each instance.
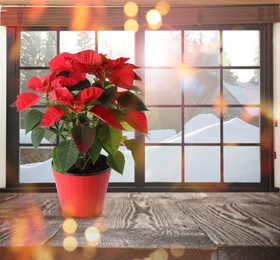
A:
(135, 221)
(249, 252)
(139, 225)
(234, 219)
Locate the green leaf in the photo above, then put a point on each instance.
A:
(131, 101)
(135, 88)
(116, 161)
(64, 155)
(32, 119)
(137, 152)
(127, 127)
(94, 151)
(110, 138)
(37, 136)
(80, 85)
(108, 96)
(83, 137)
(54, 130)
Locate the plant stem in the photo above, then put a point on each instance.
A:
(86, 162)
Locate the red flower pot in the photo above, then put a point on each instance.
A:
(82, 196)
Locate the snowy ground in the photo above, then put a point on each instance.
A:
(202, 163)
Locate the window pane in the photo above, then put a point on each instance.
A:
(163, 48)
(31, 155)
(242, 164)
(167, 119)
(162, 87)
(22, 115)
(75, 41)
(242, 125)
(241, 86)
(26, 138)
(37, 48)
(201, 126)
(201, 48)
(202, 164)
(201, 86)
(117, 44)
(128, 173)
(35, 165)
(25, 75)
(163, 136)
(241, 48)
(163, 164)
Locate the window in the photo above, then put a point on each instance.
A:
(209, 94)
(207, 89)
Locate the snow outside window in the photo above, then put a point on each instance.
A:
(202, 88)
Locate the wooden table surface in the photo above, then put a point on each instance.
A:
(150, 226)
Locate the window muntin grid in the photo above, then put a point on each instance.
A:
(184, 104)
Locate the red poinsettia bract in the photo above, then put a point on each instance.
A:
(82, 93)
(106, 115)
(53, 114)
(137, 120)
(25, 100)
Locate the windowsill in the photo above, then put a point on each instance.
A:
(134, 225)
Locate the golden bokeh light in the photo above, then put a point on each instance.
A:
(220, 106)
(24, 229)
(154, 19)
(156, 26)
(250, 113)
(131, 25)
(224, 60)
(212, 47)
(15, 51)
(163, 7)
(130, 9)
(177, 251)
(34, 14)
(19, 237)
(80, 18)
(89, 251)
(159, 254)
(70, 243)
(69, 226)
(92, 235)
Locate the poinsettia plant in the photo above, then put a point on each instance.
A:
(91, 101)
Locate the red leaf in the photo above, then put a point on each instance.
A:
(107, 116)
(62, 62)
(87, 61)
(122, 76)
(89, 95)
(78, 76)
(43, 85)
(66, 82)
(25, 100)
(35, 84)
(53, 114)
(137, 120)
(116, 62)
(83, 137)
(62, 96)
(90, 56)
